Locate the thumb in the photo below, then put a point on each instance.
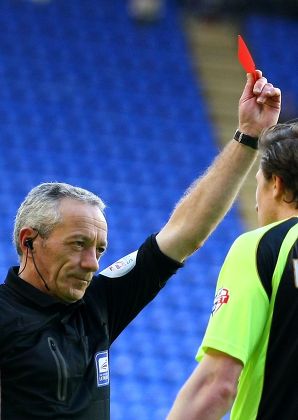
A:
(249, 86)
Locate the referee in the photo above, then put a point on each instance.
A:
(58, 319)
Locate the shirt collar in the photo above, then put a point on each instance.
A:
(33, 294)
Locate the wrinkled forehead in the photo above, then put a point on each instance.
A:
(80, 215)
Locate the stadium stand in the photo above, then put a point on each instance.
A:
(278, 55)
(91, 98)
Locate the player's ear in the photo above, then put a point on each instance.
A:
(279, 190)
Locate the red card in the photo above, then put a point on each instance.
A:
(245, 58)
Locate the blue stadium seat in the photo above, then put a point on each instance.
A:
(90, 98)
(277, 56)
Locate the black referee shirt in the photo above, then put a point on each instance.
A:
(54, 357)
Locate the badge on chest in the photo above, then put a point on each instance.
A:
(102, 368)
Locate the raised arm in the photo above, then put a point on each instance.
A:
(209, 198)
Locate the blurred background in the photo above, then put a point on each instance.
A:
(132, 99)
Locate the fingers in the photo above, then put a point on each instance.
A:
(254, 81)
(268, 94)
(260, 92)
(269, 91)
(264, 90)
(259, 85)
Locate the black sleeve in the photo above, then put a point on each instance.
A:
(127, 294)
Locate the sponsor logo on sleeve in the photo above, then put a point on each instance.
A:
(121, 267)
(222, 297)
(102, 368)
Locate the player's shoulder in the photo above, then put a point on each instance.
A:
(254, 236)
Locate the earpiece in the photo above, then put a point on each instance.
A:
(29, 243)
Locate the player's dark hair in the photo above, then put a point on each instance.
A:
(279, 155)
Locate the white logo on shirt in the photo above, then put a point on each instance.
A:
(222, 296)
(121, 267)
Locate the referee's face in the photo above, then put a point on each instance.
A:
(69, 257)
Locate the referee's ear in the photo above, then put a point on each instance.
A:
(26, 239)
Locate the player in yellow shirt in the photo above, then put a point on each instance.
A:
(249, 355)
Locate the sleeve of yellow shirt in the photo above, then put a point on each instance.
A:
(240, 306)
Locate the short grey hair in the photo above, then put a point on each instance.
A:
(41, 208)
